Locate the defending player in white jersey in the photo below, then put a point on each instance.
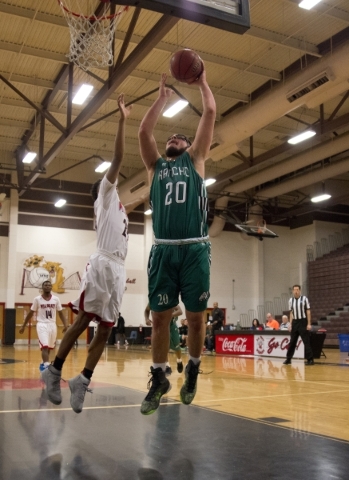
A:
(104, 280)
(45, 306)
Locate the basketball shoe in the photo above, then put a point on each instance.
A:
(168, 370)
(52, 379)
(188, 389)
(78, 387)
(179, 367)
(158, 385)
(42, 367)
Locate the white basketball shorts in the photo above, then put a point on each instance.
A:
(101, 290)
(47, 334)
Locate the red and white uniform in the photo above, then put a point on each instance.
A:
(103, 283)
(46, 326)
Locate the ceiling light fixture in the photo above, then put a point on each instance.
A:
(175, 108)
(308, 4)
(301, 137)
(60, 203)
(29, 157)
(81, 95)
(148, 212)
(210, 181)
(103, 167)
(321, 198)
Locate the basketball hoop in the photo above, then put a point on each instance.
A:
(91, 36)
(261, 226)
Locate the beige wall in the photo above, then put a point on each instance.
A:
(262, 270)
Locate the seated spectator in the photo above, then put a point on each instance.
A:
(285, 324)
(256, 325)
(272, 324)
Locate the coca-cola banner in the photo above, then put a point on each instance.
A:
(235, 344)
(268, 345)
(276, 346)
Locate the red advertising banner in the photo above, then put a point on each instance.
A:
(235, 344)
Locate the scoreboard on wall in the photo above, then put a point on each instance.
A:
(230, 15)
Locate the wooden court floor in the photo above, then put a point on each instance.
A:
(252, 418)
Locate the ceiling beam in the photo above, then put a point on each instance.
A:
(282, 40)
(136, 39)
(328, 9)
(161, 28)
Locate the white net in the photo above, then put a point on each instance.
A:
(91, 36)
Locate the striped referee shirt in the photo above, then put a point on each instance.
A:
(299, 306)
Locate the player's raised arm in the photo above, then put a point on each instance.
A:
(199, 150)
(119, 145)
(148, 147)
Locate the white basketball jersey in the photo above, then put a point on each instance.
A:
(111, 220)
(46, 309)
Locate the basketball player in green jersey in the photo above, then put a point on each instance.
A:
(179, 261)
(175, 342)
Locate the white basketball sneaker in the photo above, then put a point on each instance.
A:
(78, 387)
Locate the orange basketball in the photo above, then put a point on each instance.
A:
(186, 66)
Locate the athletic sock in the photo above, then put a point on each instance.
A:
(87, 373)
(161, 365)
(58, 363)
(46, 364)
(179, 360)
(195, 361)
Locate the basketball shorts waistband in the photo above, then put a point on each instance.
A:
(116, 256)
(182, 241)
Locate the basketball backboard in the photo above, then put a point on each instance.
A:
(230, 15)
(256, 231)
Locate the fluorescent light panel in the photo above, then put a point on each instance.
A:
(81, 95)
(210, 181)
(308, 4)
(321, 198)
(60, 203)
(29, 157)
(177, 107)
(103, 167)
(148, 212)
(301, 137)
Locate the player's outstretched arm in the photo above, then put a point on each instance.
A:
(147, 144)
(200, 148)
(26, 321)
(119, 145)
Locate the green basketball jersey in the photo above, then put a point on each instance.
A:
(178, 198)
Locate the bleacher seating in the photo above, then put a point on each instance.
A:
(328, 292)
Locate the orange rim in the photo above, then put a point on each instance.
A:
(92, 17)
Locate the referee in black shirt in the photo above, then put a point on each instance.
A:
(300, 319)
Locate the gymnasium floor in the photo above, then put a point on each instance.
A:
(252, 418)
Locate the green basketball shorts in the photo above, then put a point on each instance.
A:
(179, 269)
(174, 336)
